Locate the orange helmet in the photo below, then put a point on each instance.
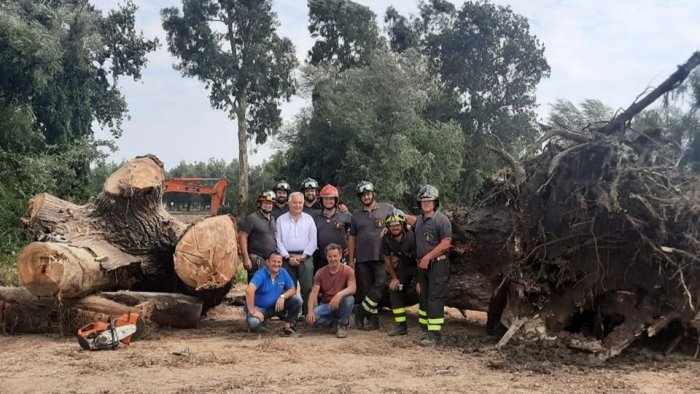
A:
(329, 191)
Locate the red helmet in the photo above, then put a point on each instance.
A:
(329, 191)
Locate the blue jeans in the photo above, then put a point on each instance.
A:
(290, 313)
(326, 315)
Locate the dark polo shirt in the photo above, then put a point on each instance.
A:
(430, 231)
(261, 234)
(367, 227)
(312, 210)
(404, 250)
(277, 211)
(333, 229)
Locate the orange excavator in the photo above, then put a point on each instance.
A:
(196, 186)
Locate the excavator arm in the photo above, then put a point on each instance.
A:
(195, 186)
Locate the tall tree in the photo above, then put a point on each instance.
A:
(60, 63)
(233, 47)
(346, 33)
(489, 63)
(367, 123)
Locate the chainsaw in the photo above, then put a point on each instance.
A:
(108, 335)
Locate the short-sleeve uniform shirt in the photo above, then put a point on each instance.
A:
(333, 229)
(404, 250)
(367, 227)
(430, 230)
(261, 232)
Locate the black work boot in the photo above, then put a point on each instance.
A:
(360, 315)
(431, 339)
(424, 332)
(398, 329)
(373, 323)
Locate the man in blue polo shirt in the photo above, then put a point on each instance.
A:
(271, 292)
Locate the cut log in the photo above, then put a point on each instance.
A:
(21, 311)
(69, 271)
(164, 309)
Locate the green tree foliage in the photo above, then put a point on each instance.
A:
(60, 62)
(367, 123)
(233, 47)
(490, 65)
(346, 33)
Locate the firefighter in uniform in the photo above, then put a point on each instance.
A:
(309, 187)
(331, 226)
(399, 243)
(365, 255)
(281, 190)
(257, 235)
(433, 240)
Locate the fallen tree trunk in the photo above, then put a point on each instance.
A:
(21, 311)
(124, 239)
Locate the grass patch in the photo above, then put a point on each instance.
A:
(8, 270)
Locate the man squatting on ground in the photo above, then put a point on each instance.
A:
(399, 243)
(433, 240)
(296, 242)
(364, 252)
(271, 292)
(257, 235)
(334, 286)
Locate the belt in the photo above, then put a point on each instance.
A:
(295, 251)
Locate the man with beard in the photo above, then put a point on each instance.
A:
(257, 235)
(365, 255)
(331, 225)
(296, 242)
(433, 240)
(399, 243)
(281, 190)
(309, 187)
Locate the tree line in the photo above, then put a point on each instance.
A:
(414, 100)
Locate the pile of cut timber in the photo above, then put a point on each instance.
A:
(122, 239)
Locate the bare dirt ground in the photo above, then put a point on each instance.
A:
(221, 356)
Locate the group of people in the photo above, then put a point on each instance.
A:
(340, 259)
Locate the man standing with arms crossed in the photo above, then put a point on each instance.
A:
(433, 241)
(257, 235)
(335, 284)
(364, 252)
(296, 242)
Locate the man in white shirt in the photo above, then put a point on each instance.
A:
(296, 242)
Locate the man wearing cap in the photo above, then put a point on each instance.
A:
(271, 292)
(296, 242)
(334, 286)
(281, 190)
(433, 240)
(331, 225)
(257, 234)
(365, 255)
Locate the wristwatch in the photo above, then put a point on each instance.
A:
(282, 296)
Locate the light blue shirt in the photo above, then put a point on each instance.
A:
(296, 235)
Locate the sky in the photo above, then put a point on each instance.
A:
(600, 49)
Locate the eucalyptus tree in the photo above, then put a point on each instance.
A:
(345, 33)
(489, 64)
(233, 47)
